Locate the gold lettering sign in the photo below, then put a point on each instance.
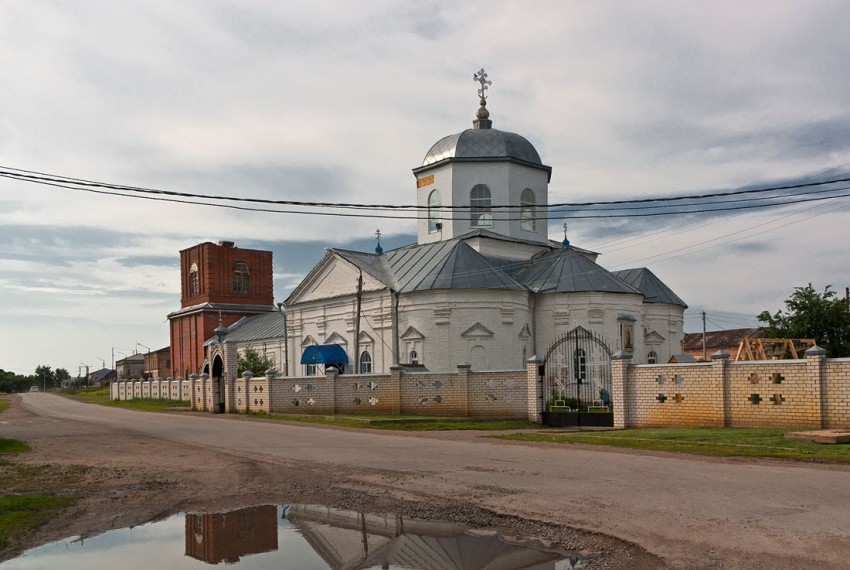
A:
(425, 181)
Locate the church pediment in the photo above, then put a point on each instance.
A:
(333, 276)
(366, 339)
(525, 332)
(336, 338)
(653, 337)
(412, 334)
(308, 341)
(477, 331)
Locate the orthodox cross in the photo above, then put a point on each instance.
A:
(565, 230)
(378, 249)
(481, 77)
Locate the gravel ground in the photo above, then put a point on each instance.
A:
(122, 478)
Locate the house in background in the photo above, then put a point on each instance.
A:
(727, 341)
(157, 364)
(132, 366)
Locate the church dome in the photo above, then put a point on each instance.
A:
(483, 143)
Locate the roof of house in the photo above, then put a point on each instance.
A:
(566, 270)
(715, 340)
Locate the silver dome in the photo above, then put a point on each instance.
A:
(483, 143)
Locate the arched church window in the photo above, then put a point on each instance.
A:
(413, 358)
(527, 202)
(365, 363)
(480, 202)
(241, 277)
(434, 204)
(194, 284)
(651, 358)
(580, 365)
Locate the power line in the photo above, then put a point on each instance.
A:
(36, 176)
(163, 198)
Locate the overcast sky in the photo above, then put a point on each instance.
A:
(338, 101)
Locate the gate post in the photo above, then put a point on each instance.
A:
(534, 388)
(619, 378)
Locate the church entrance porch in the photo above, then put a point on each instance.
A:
(577, 381)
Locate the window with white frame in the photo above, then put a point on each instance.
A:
(434, 204)
(365, 363)
(527, 202)
(479, 206)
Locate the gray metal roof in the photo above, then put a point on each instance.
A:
(482, 143)
(451, 264)
(654, 290)
(257, 327)
(568, 271)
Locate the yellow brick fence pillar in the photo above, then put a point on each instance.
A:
(722, 378)
(534, 387)
(620, 362)
(815, 371)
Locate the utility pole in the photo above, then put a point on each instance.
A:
(704, 355)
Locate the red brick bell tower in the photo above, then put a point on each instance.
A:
(217, 281)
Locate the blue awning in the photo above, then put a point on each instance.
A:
(324, 354)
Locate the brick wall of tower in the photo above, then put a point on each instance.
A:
(215, 270)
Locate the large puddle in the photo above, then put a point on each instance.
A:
(302, 537)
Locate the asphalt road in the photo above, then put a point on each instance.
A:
(689, 510)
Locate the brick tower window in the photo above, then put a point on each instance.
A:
(241, 277)
(194, 287)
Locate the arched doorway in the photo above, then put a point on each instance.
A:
(577, 381)
(217, 392)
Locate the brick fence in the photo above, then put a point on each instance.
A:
(810, 393)
(813, 393)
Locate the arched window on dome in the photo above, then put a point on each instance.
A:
(434, 204)
(479, 202)
(527, 202)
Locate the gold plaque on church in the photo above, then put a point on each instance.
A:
(425, 181)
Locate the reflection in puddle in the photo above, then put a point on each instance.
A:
(227, 537)
(302, 537)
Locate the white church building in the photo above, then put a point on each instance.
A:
(483, 284)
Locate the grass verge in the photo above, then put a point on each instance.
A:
(21, 514)
(729, 442)
(404, 423)
(101, 396)
(383, 422)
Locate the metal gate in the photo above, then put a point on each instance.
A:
(577, 381)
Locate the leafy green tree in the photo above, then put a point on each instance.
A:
(11, 382)
(250, 360)
(45, 375)
(824, 317)
(61, 375)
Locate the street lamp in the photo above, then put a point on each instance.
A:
(138, 344)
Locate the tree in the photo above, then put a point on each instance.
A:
(61, 376)
(824, 317)
(45, 375)
(251, 361)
